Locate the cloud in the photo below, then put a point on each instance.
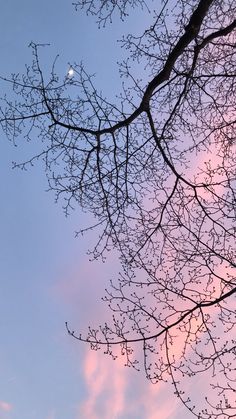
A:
(106, 385)
(113, 391)
(116, 392)
(4, 406)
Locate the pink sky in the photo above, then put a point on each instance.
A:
(117, 392)
(5, 406)
(114, 391)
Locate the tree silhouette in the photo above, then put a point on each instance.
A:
(157, 169)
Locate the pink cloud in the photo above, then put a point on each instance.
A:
(118, 392)
(114, 391)
(4, 406)
(106, 385)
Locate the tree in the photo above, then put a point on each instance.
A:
(157, 171)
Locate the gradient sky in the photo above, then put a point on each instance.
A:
(45, 276)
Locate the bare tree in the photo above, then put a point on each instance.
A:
(157, 169)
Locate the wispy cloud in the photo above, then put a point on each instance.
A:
(4, 406)
(106, 387)
(115, 392)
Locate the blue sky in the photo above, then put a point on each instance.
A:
(45, 277)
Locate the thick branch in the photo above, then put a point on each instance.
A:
(201, 305)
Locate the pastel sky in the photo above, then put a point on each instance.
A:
(45, 276)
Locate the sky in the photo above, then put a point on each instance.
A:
(45, 274)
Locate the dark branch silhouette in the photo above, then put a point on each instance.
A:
(157, 169)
